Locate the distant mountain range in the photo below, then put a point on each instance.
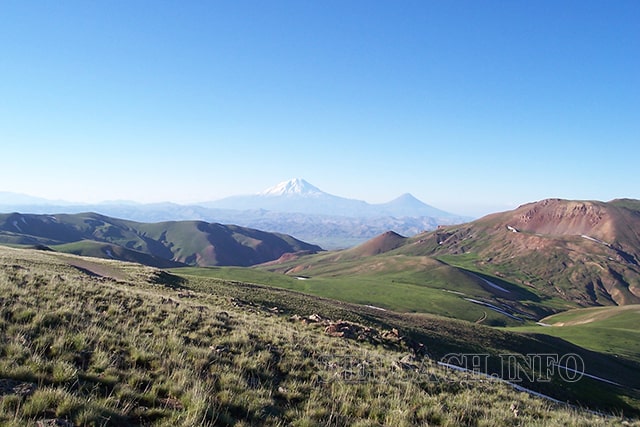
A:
(541, 256)
(163, 244)
(298, 196)
(293, 207)
(8, 199)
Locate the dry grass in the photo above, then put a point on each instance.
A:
(145, 351)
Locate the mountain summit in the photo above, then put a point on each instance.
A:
(299, 196)
(293, 187)
(293, 207)
(408, 206)
(584, 251)
(295, 196)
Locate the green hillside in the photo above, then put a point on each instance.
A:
(95, 249)
(583, 252)
(97, 342)
(612, 330)
(387, 292)
(162, 244)
(537, 260)
(418, 284)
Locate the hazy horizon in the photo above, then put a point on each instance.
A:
(471, 107)
(477, 212)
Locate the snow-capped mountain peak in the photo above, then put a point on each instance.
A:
(299, 197)
(292, 187)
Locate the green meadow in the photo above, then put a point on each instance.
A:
(404, 292)
(612, 330)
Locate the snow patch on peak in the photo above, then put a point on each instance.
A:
(406, 198)
(292, 187)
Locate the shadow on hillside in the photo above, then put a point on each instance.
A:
(161, 277)
(515, 292)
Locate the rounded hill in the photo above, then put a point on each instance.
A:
(385, 242)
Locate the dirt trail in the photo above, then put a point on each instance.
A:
(98, 269)
(596, 314)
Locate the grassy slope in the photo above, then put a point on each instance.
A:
(612, 330)
(547, 267)
(400, 288)
(549, 253)
(384, 292)
(414, 284)
(444, 336)
(137, 347)
(188, 242)
(218, 244)
(107, 250)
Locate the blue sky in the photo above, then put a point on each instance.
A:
(471, 106)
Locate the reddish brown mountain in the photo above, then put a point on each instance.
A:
(584, 251)
(379, 244)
